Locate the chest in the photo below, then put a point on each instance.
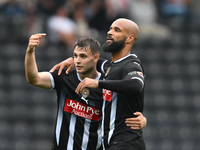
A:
(114, 72)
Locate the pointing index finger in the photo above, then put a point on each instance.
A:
(42, 34)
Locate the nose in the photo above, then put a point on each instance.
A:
(109, 32)
(78, 59)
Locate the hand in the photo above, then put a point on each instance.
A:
(34, 41)
(87, 82)
(69, 63)
(136, 123)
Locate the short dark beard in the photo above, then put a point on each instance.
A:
(114, 47)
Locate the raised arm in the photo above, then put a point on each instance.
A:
(40, 79)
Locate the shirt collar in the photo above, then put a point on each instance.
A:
(97, 78)
(124, 58)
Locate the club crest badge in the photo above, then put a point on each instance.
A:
(140, 73)
(85, 93)
(107, 71)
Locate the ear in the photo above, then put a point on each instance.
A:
(96, 58)
(130, 39)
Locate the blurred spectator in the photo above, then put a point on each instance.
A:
(62, 29)
(82, 25)
(12, 8)
(121, 7)
(144, 13)
(176, 8)
(76, 10)
(71, 5)
(15, 23)
(95, 15)
(3, 2)
(35, 20)
(195, 9)
(100, 16)
(46, 7)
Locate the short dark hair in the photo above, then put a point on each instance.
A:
(88, 43)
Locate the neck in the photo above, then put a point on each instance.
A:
(116, 56)
(92, 75)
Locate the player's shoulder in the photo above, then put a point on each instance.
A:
(133, 62)
(63, 73)
(69, 78)
(133, 58)
(72, 72)
(72, 75)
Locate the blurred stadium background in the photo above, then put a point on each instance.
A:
(168, 46)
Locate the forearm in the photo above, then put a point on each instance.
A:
(122, 86)
(31, 69)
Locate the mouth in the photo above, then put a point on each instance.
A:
(78, 67)
(109, 39)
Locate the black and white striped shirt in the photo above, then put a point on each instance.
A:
(78, 123)
(123, 94)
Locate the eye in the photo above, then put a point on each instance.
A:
(118, 30)
(83, 56)
(75, 56)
